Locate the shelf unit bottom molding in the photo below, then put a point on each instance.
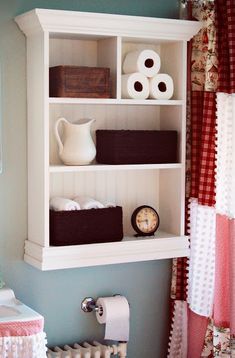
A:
(126, 251)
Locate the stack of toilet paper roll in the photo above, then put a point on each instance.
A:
(141, 79)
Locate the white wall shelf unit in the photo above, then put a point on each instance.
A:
(57, 37)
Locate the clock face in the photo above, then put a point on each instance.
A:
(145, 220)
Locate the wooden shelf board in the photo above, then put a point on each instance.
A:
(130, 249)
(146, 102)
(103, 167)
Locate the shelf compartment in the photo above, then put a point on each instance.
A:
(90, 51)
(161, 189)
(167, 51)
(131, 249)
(107, 116)
(103, 167)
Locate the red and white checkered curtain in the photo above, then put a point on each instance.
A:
(203, 289)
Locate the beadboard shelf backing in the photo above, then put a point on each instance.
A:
(58, 37)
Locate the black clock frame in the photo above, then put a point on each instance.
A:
(134, 225)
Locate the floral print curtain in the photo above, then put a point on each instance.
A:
(203, 289)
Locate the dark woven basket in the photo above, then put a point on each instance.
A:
(86, 226)
(136, 146)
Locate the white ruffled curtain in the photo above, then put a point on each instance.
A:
(23, 346)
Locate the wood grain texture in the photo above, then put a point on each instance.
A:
(79, 82)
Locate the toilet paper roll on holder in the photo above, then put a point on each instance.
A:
(88, 304)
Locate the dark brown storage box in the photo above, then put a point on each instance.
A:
(136, 146)
(85, 226)
(80, 82)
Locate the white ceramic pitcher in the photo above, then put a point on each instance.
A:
(78, 147)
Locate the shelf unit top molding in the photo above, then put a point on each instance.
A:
(74, 22)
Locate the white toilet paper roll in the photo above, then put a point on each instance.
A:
(135, 86)
(115, 314)
(146, 61)
(161, 86)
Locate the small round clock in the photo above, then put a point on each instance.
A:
(145, 220)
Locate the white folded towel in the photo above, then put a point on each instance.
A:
(109, 204)
(61, 204)
(88, 203)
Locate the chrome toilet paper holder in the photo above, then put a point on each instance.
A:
(89, 305)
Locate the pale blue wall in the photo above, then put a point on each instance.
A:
(57, 294)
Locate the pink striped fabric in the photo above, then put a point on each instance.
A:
(232, 275)
(197, 326)
(25, 328)
(224, 302)
(222, 289)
